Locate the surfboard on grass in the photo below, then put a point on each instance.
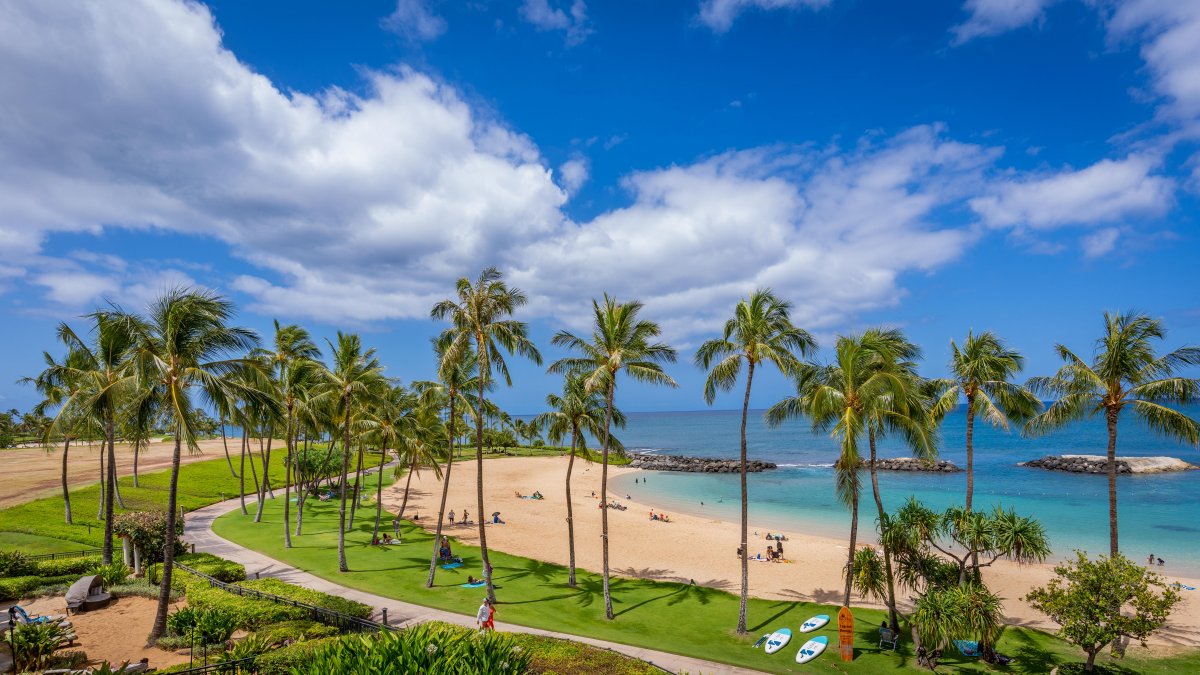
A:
(450, 566)
(814, 623)
(812, 649)
(778, 639)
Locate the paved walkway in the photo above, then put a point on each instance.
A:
(198, 531)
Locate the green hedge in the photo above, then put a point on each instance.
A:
(16, 564)
(309, 596)
(80, 566)
(281, 661)
(295, 631)
(249, 613)
(15, 588)
(214, 566)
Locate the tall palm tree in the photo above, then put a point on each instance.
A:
(385, 424)
(1124, 373)
(61, 389)
(421, 441)
(186, 349)
(353, 381)
(477, 319)
(864, 393)
(456, 379)
(108, 382)
(760, 332)
(576, 412)
(620, 342)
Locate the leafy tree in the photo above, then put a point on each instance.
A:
(1098, 601)
(760, 332)
(620, 342)
(1124, 373)
(478, 319)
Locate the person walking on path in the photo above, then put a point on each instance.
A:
(486, 616)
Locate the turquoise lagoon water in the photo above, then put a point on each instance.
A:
(1159, 513)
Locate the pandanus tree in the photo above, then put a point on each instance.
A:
(759, 333)
(1125, 373)
(578, 413)
(478, 319)
(620, 343)
(869, 390)
(187, 353)
(106, 381)
(61, 387)
(353, 381)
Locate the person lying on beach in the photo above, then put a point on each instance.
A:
(471, 580)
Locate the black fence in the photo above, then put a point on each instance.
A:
(69, 554)
(343, 622)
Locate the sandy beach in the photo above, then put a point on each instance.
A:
(690, 547)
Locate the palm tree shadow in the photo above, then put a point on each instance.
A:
(785, 607)
(542, 571)
(626, 610)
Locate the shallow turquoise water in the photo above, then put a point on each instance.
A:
(1158, 513)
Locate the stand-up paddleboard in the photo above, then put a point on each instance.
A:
(761, 640)
(814, 623)
(777, 640)
(812, 649)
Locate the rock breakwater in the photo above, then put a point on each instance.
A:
(1099, 464)
(914, 464)
(695, 464)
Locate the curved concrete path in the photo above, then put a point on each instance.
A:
(198, 531)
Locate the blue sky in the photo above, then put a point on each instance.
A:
(989, 164)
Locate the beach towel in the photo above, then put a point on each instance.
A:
(450, 566)
(477, 584)
(1184, 588)
(967, 647)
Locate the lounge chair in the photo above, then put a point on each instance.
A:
(87, 594)
(888, 638)
(24, 617)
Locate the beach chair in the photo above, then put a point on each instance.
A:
(87, 594)
(888, 638)
(23, 617)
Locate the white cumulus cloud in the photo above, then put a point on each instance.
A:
(992, 17)
(573, 21)
(719, 15)
(413, 19)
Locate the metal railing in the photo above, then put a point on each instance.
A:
(343, 622)
(63, 556)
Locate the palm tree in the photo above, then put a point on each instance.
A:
(61, 388)
(107, 382)
(869, 390)
(477, 319)
(386, 424)
(577, 412)
(354, 381)
(760, 331)
(1124, 373)
(186, 349)
(619, 342)
(422, 441)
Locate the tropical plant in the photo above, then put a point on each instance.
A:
(354, 381)
(112, 574)
(421, 441)
(941, 615)
(577, 412)
(186, 349)
(33, 644)
(620, 342)
(420, 649)
(1124, 373)
(1096, 602)
(478, 319)
(390, 425)
(760, 332)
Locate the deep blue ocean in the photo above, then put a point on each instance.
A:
(1158, 513)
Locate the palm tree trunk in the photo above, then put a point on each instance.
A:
(608, 610)
(168, 565)
(483, 551)
(303, 490)
(66, 493)
(287, 481)
(342, 566)
(741, 627)
(242, 475)
(571, 511)
(253, 471)
(117, 492)
(103, 482)
(412, 468)
(224, 443)
(137, 447)
(1111, 418)
(357, 488)
(853, 542)
(266, 464)
(106, 551)
(379, 488)
(887, 554)
(971, 467)
(437, 536)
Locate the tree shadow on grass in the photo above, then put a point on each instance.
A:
(625, 610)
(784, 608)
(1032, 657)
(542, 571)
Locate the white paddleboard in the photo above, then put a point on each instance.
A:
(814, 623)
(778, 640)
(812, 649)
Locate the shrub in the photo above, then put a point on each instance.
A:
(113, 574)
(73, 659)
(142, 589)
(430, 650)
(16, 564)
(208, 626)
(54, 568)
(15, 588)
(295, 631)
(251, 645)
(34, 643)
(248, 613)
(309, 596)
(214, 566)
(148, 531)
(281, 661)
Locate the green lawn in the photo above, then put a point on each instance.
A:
(34, 544)
(690, 620)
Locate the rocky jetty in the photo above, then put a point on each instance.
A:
(695, 464)
(914, 464)
(1099, 464)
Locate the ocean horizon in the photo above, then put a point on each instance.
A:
(1157, 512)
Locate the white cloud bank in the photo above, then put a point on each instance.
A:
(362, 208)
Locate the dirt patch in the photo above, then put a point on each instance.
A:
(116, 633)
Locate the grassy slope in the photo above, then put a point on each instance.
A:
(690, 620)
(33, 544)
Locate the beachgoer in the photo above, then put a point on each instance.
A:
(1150, 560)
(396, 527)
(701, 503)
(635, 481)
(652, 515)
(471, 580)
(451, 516)
(628, 497)
(466, 518)
(484, 614)
(1161, 562)
(593, 494)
